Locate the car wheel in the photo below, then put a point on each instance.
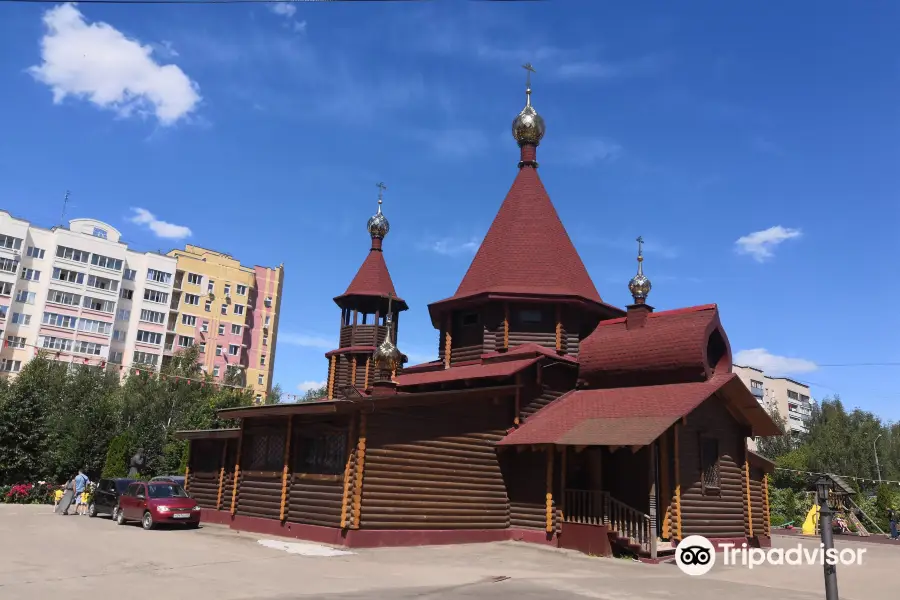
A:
(92, 510)
(115, 513)
(147, 522)
(120, 516)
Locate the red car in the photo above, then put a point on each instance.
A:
(156, 502)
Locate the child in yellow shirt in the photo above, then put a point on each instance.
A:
(83, 507)
(57, 496)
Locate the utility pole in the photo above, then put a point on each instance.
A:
(877, 466)
(62, 218)
(823, 485)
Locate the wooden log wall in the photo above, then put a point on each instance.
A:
(227, 474)
(262, 461)
(757, 501)
(317, 498)
(721, 513)
(204, 471)
(545, 384)
(524, 472)
(435, 467)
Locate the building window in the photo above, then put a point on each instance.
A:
(8, 265)
(189, 320)
(100, 233)
(56, 320)
(203, 347)
(210, 286)
(123, 314)
(64, 275)
(756, 385)
(216, 371)
(82, 347)
(530, 316)
(35, 252)
(233, 349)
(236, 330)
(238, 309)
(192, 299)
(158, 276)
(266, 322)
(10, 242)
(26, 297)
(91, 326)
(145, 358)
(6, 289)
(152, 316)
(320, 453)
(31, 275)
(185, 341)
(268, 302)
(106, 262)
(115, 357)
(3, 311)
(204, 326)
(149, 337)
(102, 283)
(224, 309)
(793, 395)
(265, 339)
(264, 451)
(221, 329)
(207, 306)
(60, 344)
(709, 464)
(119, 335)
(155, 296)
(259, 380)
(218, 352)
(20, 319)
(72, 254)
(8, 365)
(194, 278)
(227, 289)
(129, 274)
(262, 360)
(14, 341)
(242, 290)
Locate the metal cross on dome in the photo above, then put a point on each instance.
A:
(381, 187)
(640, 241)
(530, 69)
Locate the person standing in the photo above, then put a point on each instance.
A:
(892, 517)
(81, 482)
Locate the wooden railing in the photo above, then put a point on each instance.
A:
(595, 507)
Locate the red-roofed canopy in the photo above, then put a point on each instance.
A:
(635, 415)
(372, 281)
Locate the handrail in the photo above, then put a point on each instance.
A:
(596, 507)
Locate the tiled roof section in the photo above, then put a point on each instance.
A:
(350, 350)
(527, 250)
(671, 347)
(463, 372)
(634, 415)
(372, 279)
(517, 352)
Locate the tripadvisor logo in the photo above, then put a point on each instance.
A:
(696, 555)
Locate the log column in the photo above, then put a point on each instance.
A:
(505, 326)
(558, 329)
(348, 472)
(353, 371)
(360, 467)
(222, 474)
(550, 489)
(652, 499)
(331, 377)
(366, 380)
(284, 472)
(237, 470)
(187, 466)
(767, 523)
(447, 344)
(665, 490)
(748, 499)
(678, 519)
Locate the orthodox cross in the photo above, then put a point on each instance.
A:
(640, 241)
(389, 316)
(381, 187)
(530, 69)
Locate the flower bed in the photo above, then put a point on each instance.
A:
(28, 493)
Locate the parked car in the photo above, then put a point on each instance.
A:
(156, 502)
(106, 496)
(179, 479)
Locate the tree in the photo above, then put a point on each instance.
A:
(117, 457)
(24, 423)
(777, 445)
(315, 394)
(274, 395)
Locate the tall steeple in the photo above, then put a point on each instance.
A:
(526, 275)
(639, 286)
(370, 311)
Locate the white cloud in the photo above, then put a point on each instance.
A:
(306, 386)
(307, 341)
(773, 364)
(761, 244)
(162, 229)
(95, 61)
(451, 246)
(288, 10)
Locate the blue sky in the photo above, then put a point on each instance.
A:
(754, 147)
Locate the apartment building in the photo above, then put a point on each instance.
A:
(791, 398)
(81, 294)
(229, 310)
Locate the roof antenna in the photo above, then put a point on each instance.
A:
(62, 217)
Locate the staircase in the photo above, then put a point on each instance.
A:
(629, 529)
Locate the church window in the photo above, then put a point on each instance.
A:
(709, 464)
(530, 316)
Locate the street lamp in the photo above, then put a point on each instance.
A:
(877, 467)
(825, 514)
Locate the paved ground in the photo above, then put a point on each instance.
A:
(43, 555)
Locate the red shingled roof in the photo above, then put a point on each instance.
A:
(634, 415)
(527, 250)
(372, 279)
(670, 347)
(463, 372)
(529, 349)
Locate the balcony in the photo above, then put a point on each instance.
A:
(758, 392)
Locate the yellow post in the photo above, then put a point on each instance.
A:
(550, 489)
(360, 466)
(284, 473)
(237, 470)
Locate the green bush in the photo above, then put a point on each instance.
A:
(117, 457)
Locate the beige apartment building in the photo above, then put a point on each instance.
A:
(228, 309)
(790, 398)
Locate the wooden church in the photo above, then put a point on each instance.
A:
(550, 416)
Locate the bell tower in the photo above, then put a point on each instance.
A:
(370, 311)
